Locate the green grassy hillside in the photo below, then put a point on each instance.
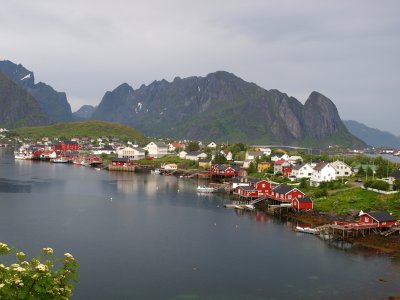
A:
(91, 129)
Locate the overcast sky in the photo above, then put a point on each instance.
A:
(347, 50)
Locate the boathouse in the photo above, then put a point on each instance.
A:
(224, 170)
(262, 186)
(302, 204)
(285, 193)
(247, 192)
(120, 162)
(67, 145)
(378, 218)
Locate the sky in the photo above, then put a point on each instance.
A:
(345, 49)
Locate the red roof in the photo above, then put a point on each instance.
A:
(280, 162)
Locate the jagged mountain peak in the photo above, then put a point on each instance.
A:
(222, 106)
(54, 104)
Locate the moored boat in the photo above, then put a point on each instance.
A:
(306, 230)
(205, 189)
(60, 160)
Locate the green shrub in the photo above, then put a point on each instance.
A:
(43, 277)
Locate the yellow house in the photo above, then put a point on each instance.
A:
(263, 166)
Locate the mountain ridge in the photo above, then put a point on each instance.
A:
(222, 106)
(372, 136)
(54, 104)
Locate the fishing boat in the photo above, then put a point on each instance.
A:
(306, 230)
(205, 189)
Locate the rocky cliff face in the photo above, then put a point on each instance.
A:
(54, 104)
(18, 107)
(223, 107)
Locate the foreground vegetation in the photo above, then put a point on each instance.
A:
(43, 277)
(345, 201)
(92, 129)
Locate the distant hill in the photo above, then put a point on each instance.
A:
(18, 107)
(54, 104)
(85, 112)
(372, 136)
(91, 129)
(223, 107)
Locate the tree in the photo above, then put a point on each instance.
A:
(43, 277)
(252, 168)
(193, 146)
(220, 159)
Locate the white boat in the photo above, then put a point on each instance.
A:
(306, 230)
(156, 171)
(22, 156)
(59, 160)
(205, 189)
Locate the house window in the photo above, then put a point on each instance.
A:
(290, 197)
(366, 219)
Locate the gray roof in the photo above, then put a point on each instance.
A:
(320, 166)
(382, 216)
(160, 144)
(247, 188)
(298, 167)
(305, 199)
(283, 189)
(120, 159)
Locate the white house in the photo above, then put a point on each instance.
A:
(294, 158)
(302, 171)
(131, 153)
(107, 149)
(279, 165)
(169, 167)
(157, 149)
(278, 157)
(323, 172)
(212, 145)
(195, 155)
(252, 155)
(264, 150)
(227, 154)
(342, 169)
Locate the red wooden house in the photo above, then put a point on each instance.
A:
(262, 186)
(121, 162)
(287, 170)
(378, 218)
(285, 193)
(247, 192)
(302, 204)
(66, 145)
(224, 170)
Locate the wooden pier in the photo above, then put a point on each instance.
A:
(121, 168)
(343, 231)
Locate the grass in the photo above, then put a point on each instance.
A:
(358, 199)
(92, 129)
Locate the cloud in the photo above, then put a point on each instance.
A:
(345, 49)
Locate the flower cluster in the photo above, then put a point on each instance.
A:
(43, 277)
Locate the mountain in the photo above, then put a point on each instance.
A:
(54, 104)
(85, 112)
(223, 107)
(372, 136)
(18, 107)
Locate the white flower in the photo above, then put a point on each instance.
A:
(41, 268)
(1, 285)
(48, 251)
(69, 256)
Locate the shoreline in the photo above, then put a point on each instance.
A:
(385, 245)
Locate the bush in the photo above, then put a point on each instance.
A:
(43, 277)
(377, 184)
(322, 192)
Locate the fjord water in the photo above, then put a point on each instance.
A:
(152, 237)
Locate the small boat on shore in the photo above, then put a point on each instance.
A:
(60, 160)
(205, 189)
(306, 230)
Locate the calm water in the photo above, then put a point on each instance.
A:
(157, 239)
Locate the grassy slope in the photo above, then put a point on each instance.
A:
(86, 129)
(359, 199)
